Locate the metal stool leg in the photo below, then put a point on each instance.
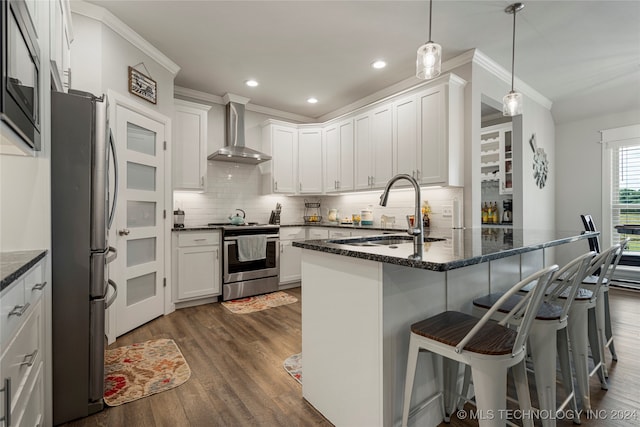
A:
(562, 343)
(607, 327)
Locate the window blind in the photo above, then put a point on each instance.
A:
(625, 191)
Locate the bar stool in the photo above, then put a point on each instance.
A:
(548, 335)
(489, 348)
(603, 314)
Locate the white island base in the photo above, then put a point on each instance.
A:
(356, 318)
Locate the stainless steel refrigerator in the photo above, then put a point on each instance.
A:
(82, 208)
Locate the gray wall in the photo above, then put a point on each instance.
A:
(579, 172)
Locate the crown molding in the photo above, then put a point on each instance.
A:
(110, 20)
(503, 74)
(215, 99)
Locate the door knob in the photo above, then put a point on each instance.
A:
(124, 232)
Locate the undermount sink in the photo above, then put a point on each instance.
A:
(382, 241)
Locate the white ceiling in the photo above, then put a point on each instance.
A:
(582, 55)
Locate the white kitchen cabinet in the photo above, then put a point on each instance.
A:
(290, 256)
(339, 233)
(310, 160)
(196, 264)
(280, 141)
(338, 171)
(316, 233)
(440, 117)
(190, 146)
(496, 157)
(374, 147)
(23, 354)
(60, 44)
(405, 136)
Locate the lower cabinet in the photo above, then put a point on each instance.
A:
(196, 265)
(23, 351)
(290, 256)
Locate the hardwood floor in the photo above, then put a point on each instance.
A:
(237, 377)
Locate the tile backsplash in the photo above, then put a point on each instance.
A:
(232, 186)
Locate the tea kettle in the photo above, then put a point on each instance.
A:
(237, 219)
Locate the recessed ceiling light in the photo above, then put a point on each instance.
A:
(379, 64)
(312, 100)
(251, 83)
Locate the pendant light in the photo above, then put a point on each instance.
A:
(512, 102)
(429, 56)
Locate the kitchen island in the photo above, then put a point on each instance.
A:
(359, 299)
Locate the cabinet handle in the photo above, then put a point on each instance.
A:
(39, 286)
(202, 181)
(418, 174)
(275, 185)
(7, 402)
(300, 186)
(335, 185)
(18, 310)
(199, 240)
(217, 254)
(29, 359)
(338, 185)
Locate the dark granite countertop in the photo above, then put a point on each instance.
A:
(302, 224)
(14, 264)
(459, 247)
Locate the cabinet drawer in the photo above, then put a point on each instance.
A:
(23, 355)
(198, 239)
(34, 284)
(32, 413)
(314, 234)
(333, 234)
(12, 303)
(292, 233)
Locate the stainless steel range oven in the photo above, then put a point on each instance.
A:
(257, 276)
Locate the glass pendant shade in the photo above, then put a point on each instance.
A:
(512, 104)
(429, 61)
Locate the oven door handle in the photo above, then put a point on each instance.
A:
(270, 237)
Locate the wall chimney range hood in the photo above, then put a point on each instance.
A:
(234, 149)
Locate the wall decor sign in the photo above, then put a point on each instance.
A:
(540, 163)
(143, 86)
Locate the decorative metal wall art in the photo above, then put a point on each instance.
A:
(540, 163)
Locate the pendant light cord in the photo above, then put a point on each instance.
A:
(513, 49)
(430, 15)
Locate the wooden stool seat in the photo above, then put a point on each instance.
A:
(547, 311)
(451, 326)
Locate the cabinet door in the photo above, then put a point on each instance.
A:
(332, 158)
(405, 136)
(382, 145)
(198, 271)
(284, 157)
(433, 168)
(290, 262)
(310, 161)
(190, 146)
(345, 179)
(506, 160)
(362, 144)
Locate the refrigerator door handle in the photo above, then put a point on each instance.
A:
(112, 214)
(114, 254)
(115, 294)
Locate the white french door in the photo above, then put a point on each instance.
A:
(139, 227)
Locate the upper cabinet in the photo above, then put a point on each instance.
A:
(310, 160)
(419, 133)
(440, 133)
(190, 146)
(280, 141)
(497, 157)
(60, 44)
(373, 147)
(338, 160)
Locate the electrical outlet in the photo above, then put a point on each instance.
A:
(447, 212)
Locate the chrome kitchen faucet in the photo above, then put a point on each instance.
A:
(417, 229)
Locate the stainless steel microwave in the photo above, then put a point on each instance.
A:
(20, 60)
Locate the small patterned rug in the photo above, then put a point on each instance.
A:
(259, 302)
(143, 369)
(293, 365)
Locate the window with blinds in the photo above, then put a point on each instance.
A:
(625, 191)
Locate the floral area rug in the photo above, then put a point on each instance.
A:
(293, 365)
(259, 302)
(143, 369)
